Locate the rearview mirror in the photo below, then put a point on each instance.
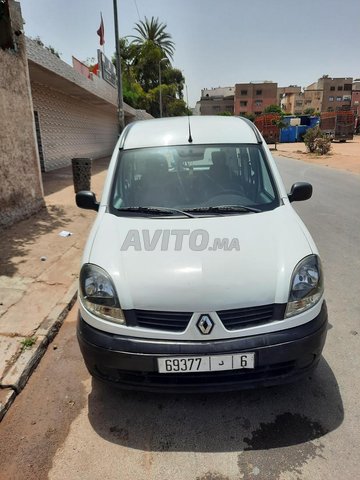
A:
(87, 200)
(300, 191)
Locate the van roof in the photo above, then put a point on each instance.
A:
(175, 131)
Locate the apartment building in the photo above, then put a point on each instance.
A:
(254, 97)
(313, 97)
(355, 96)
(291, 99)
(216, 100)
(336, 93)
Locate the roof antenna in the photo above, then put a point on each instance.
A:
(190, 140)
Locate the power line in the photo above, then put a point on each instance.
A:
(137, 9)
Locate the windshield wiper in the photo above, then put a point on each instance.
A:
(155, 211)
(224, 209)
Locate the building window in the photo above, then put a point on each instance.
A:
(330, 109)
(216, 108)
(331, 99)
(339, 99)
(347, 98)
(340, 88)
(229, 108)
(243, 92)
(258, 92)
(258, 113)
(348, 87)
(243, 104)
(332, 88)
(258, 103)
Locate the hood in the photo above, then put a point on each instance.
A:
(255, 270)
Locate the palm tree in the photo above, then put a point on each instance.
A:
(153, 31)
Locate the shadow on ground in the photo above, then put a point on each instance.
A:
(17, 240)
(229, 422)
(62, 178)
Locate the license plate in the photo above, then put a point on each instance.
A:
(212, 363)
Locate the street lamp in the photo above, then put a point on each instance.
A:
(160, 92)
(121, 118)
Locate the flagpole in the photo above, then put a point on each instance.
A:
(103, 45)
(118, 71)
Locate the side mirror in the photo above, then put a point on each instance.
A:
(300, 191)
(87, 200)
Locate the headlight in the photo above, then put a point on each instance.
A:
(306, 286)
(98, 294)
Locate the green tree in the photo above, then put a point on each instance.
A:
(174, 76)
(171, 105)
(154, 32)
(309, 111)
(249, 116)
(316, 141)
(146, 65)
(141, 60)
(274, 109)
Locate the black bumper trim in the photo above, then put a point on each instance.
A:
(132, 362)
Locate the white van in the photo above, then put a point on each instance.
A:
(198, 274)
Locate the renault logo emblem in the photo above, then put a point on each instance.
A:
(205, 324)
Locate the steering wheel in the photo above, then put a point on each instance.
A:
(182, 187)
(229, 191)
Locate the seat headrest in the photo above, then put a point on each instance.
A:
(218, 157)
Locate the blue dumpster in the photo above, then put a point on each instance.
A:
(314, 121)
(288, 135)
(301, 130)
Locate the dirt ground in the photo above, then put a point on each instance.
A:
(343, 156)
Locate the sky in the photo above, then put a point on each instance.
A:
(218, 43)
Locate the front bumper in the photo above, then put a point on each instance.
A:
(280, 357)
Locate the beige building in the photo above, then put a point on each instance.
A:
(313, 97)
(336, 93)
(291, 99)
(216, 100)
(329, 94)
(355, 97)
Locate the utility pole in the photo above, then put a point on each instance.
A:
(118, 71)
(160, 88)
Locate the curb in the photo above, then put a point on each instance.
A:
(20, 372)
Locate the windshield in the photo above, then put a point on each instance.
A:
(194, 177)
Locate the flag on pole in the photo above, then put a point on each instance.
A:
(101, 31)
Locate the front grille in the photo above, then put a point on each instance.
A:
(246, 317)
(167, 321)
(178, 321)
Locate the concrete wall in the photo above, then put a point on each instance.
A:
(72, 128)
(20, 184)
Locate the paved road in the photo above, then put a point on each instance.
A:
(65, 426)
